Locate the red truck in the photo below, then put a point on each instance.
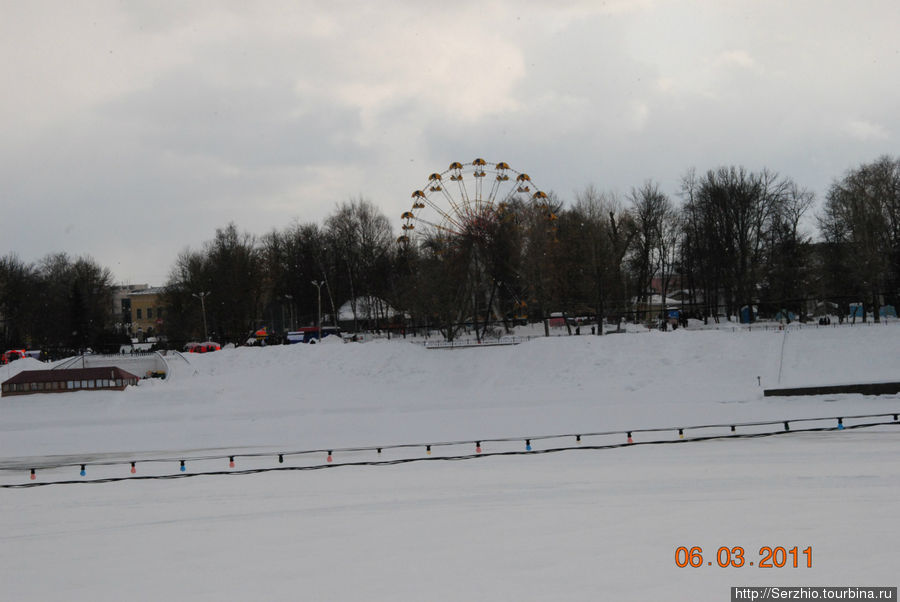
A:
(12, 355)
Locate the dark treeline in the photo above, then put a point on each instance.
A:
(60, 305)
(729, 239)
(254, 282)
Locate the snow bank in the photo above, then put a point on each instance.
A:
(26, 363)
(341, 395)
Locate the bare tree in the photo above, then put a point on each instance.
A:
(861, 221)
(728, 215)
(361, 236)
(655, 241)
(600, 215)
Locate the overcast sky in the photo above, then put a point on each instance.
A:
(131, 130)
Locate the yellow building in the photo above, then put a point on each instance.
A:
(147, 312)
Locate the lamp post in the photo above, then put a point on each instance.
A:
(318, 284)
(202, 296)
(290, 299)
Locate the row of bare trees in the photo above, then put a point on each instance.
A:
(860, 228)
(61, 305)
(250, 283)
(731, 243)
(742, 241)
(727, 239)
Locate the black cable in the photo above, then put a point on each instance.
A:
(329, 451)
(184, 475)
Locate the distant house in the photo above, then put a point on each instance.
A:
(147, 311)
(653, 306)
(371, 312)
(557, 320)
(121, 305)
(62, 381)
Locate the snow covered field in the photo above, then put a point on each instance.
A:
(587, 523)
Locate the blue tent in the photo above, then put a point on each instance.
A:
(745, 314)
(785, 316)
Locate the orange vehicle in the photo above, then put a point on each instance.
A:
(12, 355)
(206, 347)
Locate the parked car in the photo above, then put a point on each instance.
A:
(12, 355)
(205, 347)
(310, 334)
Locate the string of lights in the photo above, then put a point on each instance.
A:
(838, 424)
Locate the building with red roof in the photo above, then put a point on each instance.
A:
(100, 378)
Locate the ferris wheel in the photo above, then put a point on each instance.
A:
(464, 198)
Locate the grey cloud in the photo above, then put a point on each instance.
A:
(245, 126)
(260, 114)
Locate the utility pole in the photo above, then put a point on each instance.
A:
(290, 299)
(318, 284)
(202, 296)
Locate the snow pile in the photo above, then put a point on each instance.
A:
(382, 392)
(26, 363)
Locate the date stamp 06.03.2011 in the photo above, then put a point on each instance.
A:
(768, 557)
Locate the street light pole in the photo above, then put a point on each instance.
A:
(202, 296)
(318, 284)
(290, 299)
